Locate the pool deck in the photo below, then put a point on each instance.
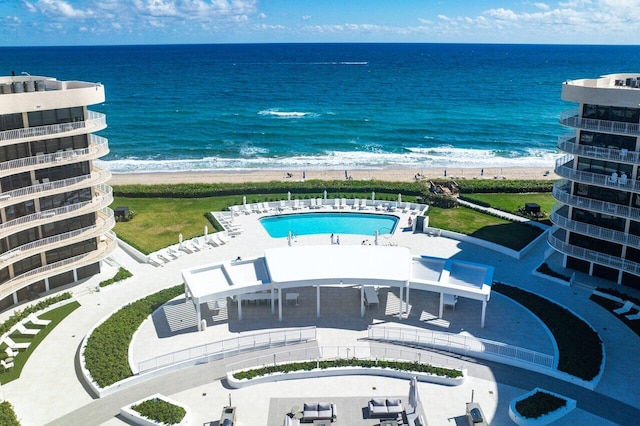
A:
(49, 379)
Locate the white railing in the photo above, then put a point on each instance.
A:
(98, 147)
(572, 119)
(607, 234)
(567, 171)
(22, 280)
(103, 199)
(591, 255)
(94, 121)
(590, 204)
(464, 345)
(97, 176)
(102, 225)
(230, 347)
(567, 143)
(370, 352)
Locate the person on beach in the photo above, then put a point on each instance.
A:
(332, 239)
(338, 240)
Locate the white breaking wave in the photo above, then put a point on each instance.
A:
(415, 158)
(286, 114)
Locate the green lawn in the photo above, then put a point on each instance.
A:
(466, 221)
(56, 316)
(512, 202)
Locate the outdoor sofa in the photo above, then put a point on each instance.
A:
(380, 407)
(319, 411)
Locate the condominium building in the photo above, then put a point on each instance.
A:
(597, 219)
(55, 224)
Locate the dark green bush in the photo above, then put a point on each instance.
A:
(439, 200)
(122, 274)
(579, 346)
(106, 354)
(18, 315)
(7, 415)
(503, 185)
(539, 404)
(545, 269)
(161, 411)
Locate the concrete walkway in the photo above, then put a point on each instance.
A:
(50, 377)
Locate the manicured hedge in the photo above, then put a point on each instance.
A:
(539, 404)
(121, 275)
(503, 185)
(19, 315)
(160, 411)
(579, 346)
(106, 354)
(350, 362)
(7, 415)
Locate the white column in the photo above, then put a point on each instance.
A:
(199, 314)
(317, 301)
(279, 306)
(240, 307)
(441, 305)
(46, 284)
(361, 301)
(401, 306)
(273, 300)
(407, 298)
(484, 311)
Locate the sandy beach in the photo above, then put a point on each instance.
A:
(397, 175)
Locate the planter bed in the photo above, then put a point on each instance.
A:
(547, 416)
(136, 418)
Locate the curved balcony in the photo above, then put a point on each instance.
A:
(572, 119)
(104, 223)
(562, 221)
(567, 144)
(98, 147)
(598, 179)
(590, 204)
(105, 248)
(93, 123)
(97, 176)
(557, 242)
(103, 198)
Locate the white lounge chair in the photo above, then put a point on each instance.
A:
(10, 352)
(13, 345)
(319, 203)
(222, 237)
(6, 365)
(247, 209)
(26, 331)
(336, 204)
(155, 260)
(174, 252)
(633, 316)
(165, 257)
(37, 321)
(343, 203)
(625, 308)
(235, 210)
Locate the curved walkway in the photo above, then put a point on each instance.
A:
(49, 378)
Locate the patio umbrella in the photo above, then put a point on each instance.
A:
(325, 194)
(180, 239)
(244, 199)
(414, 397)
(206, 230)
(373, 196)
(376, 240)
(289, 196)
(399, 197)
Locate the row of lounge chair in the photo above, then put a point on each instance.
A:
(318, 203)
(12, 347)
(194, 245)
(626, 308)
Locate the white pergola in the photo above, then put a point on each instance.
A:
(317, 266)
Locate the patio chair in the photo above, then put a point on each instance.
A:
(13, 345)
(625, 308)
(6, 365)
(633, 316)
(37, 321)
(336, 204)
(155, 260)
(26, 331)
(319, 203)
(235, 210)
(343, 203)
(10, 352)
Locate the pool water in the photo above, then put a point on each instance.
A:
(329, 223)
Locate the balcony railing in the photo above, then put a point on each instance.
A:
(98, 147)
(572, 119)
(560, 193)
(567, 143)
(595, 231)
(105, 248)
(103, 198)
(598, 179)
(590, 255)
(96, 177)
(104, 223)
(95, 121)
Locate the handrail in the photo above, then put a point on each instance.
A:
(103, 199)
(20, 281)
(370, 352)
(458, 344)
(591, 255)
(599, 179)
(106, 224)
(95, 177)
(572, 119)
(98, 147)
(591, 204)
(93, 121)
(567, 143)
(224, 348)
(600, 232)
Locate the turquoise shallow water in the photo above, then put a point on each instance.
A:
(327, 106)
(329, 223)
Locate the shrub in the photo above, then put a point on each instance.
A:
(545, 269)
(7, 415)
(121, 275)
(106, 354)
(539, 404)
(160, 411)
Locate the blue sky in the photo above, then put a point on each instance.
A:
(92, 22)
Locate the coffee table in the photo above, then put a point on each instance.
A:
(322, 423)
(391, 422)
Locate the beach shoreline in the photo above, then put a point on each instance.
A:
(268, 175)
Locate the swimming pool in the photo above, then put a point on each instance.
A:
(329, 223)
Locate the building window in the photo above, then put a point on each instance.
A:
(21, 209)
(55, 116)
(26, 265)
(23, 237)
(63, 172)
(49, 146)
(13, 152)
(72, 250)
(11, 122)
(611, 113)
(65, 199)
(68, 225)
(17, 181)
(595, 244)
(605, 140)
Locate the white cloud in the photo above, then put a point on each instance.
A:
(58, 9)
(306, 17)
(542, 6)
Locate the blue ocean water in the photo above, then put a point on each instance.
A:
(327, 106)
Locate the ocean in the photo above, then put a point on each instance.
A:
(327, 106)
